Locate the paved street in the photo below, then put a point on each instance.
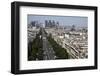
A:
(71, 52)
(47, 48)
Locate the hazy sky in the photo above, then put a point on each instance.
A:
(63, 20)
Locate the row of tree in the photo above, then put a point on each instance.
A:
(35, 51)
(60, 52)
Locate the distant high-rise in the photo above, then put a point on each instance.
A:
(51, 23)
(57, 24)
(46, 23)
(33, 23)
(73, 28)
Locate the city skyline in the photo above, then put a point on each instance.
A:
(48, 41)
(63, 20)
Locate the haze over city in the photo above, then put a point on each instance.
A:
(57, 37)
(78, 21)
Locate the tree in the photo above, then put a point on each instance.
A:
(60, 52)
(36, 48)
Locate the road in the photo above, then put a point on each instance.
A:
(48, 52)
(72, 52)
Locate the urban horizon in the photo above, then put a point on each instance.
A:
(53, 37)
(65, 21)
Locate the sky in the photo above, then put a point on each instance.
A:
(63, 20)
